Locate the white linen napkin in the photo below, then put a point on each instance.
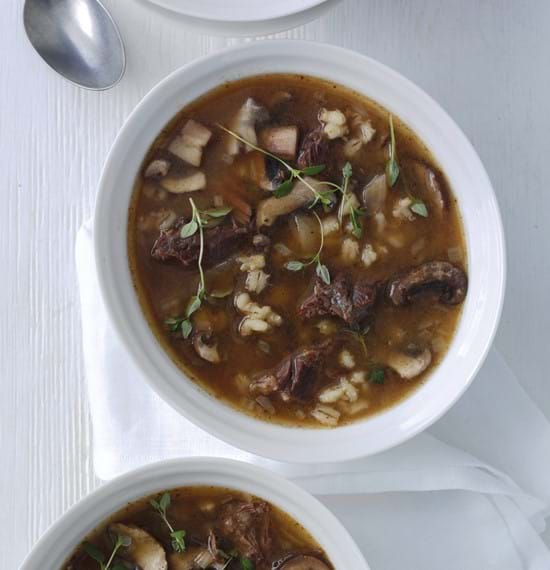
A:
(484, 467)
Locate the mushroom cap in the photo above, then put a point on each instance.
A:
(427, 185)
(303, 562)
(188, 560)
(206, 347)
(270, 209)
(447, 280)
(409, 365)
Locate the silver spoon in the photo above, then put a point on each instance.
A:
(78, 39)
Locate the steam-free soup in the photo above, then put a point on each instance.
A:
(297, 251)
(194, 528)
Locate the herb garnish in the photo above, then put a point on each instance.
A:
(93, 552)
(392, 166)
(177, 536)
(377, 375)
(199, 219)
(294, 173)
(359, 336)
(320, 268)
(354, 214)
(246, 563)
(418, 207)
(392, 174)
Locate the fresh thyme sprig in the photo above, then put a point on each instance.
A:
(377, 372)
(320, 269)
(392, 174)
(294, 173)
(177, 536)
(93, 552)
(359, 336)
(199, 219)
(355, 213)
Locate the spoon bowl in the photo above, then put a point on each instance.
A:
(78, 39)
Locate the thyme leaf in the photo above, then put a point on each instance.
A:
(246, 563)
(189, 229)
(323, 272)
(377, 375)
(218, 212)
(392, 166)
(418, 207)
(294, 265)
(284, 188)
(313, 170)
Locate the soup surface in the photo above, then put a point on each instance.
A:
(313, 276)
(197, 528)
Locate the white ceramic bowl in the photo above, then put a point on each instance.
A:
(59, 541)
(237, 10)
(230, 26)
(468, 179)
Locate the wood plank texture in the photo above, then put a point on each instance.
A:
(485, 61)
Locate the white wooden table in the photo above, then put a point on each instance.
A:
(487, 62)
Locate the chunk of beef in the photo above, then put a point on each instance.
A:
(349, 301)
(219, 243)
(247, 526)
(314, 149)
(294, 378)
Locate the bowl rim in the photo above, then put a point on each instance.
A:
(288, 443)
(314, 516)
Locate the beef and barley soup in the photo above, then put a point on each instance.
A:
(297, 251)
(193, 528)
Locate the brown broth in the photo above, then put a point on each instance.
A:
(165, 288)
(195, 510)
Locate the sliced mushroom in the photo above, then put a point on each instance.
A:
(144, 550)
(189, 144)
(282, 141)
(190, 183)
(302, 562)
(206, 347)
(305, 233)
(244, 124)
(428, 185)
(374, 194)
(271, 208)
(449, 282)
(194, 557)
(260, 170)
(157, 168)
(411, 363)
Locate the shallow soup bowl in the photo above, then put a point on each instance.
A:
(63, 537)
(465, 174)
